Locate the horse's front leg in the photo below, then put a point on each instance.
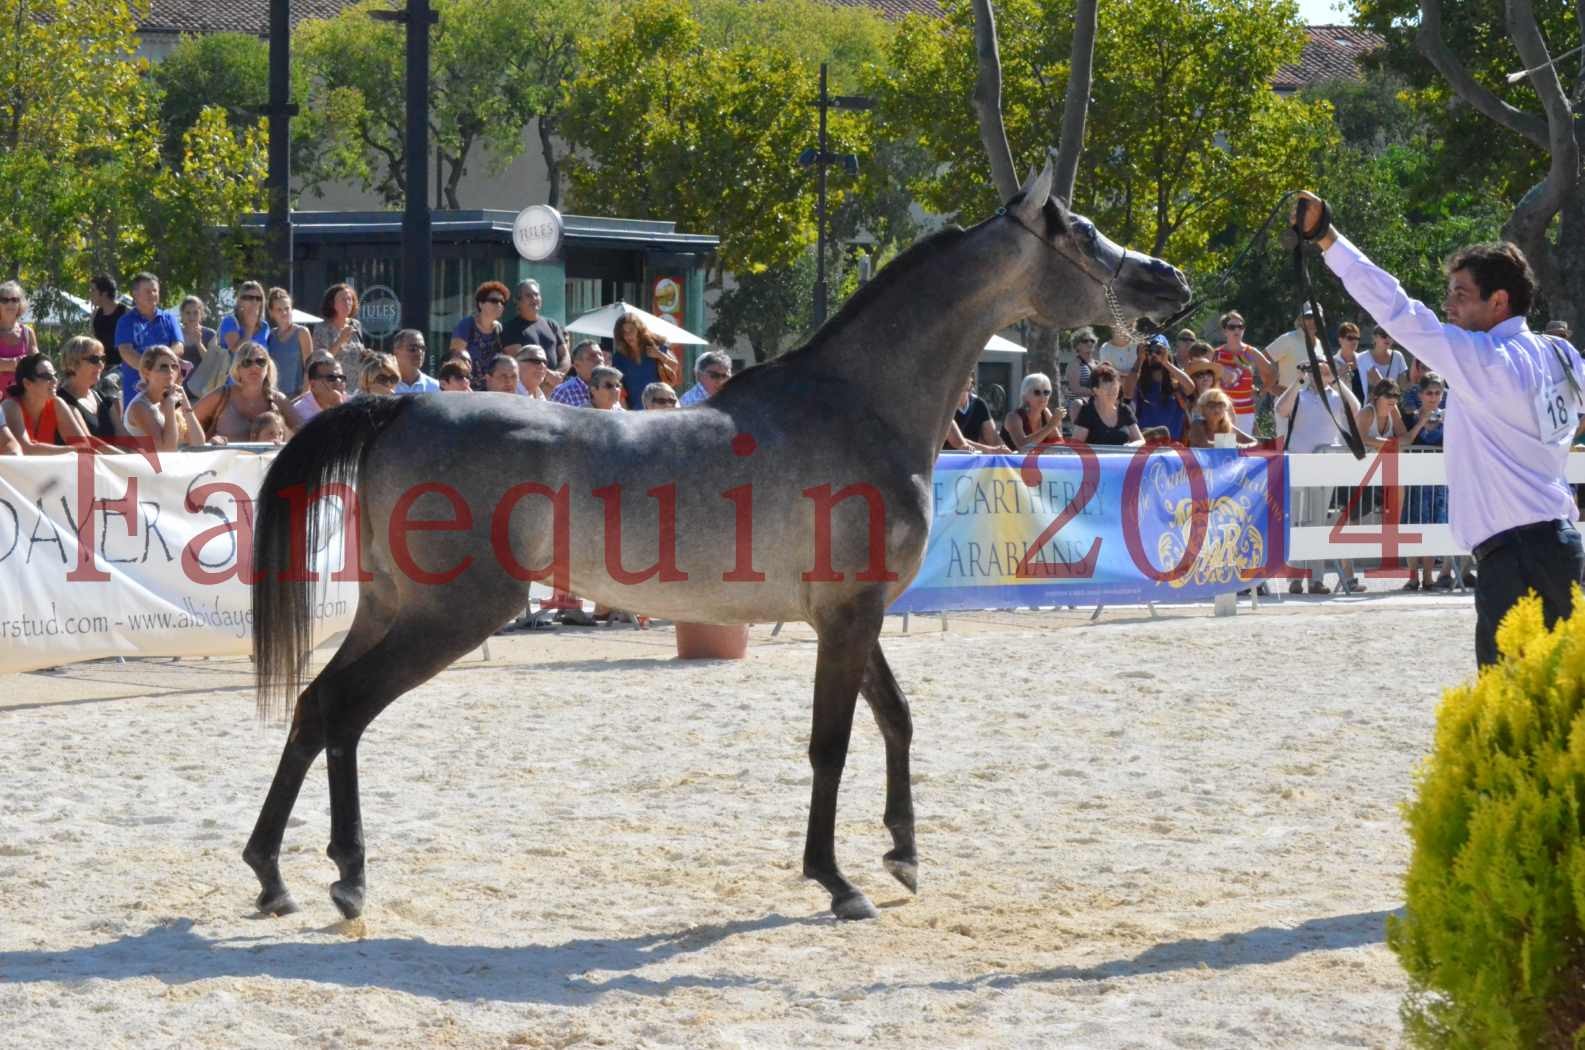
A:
(896, 724)
(846, 640)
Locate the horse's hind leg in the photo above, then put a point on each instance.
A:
(263, 851)
(303, 744)
(896, 724)
(846, 640)
(418, 646)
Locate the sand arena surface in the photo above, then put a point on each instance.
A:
(1174, 833)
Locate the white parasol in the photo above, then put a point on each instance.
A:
(603, 321)
(1004, 346)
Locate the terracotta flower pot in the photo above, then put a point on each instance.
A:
(707, 641)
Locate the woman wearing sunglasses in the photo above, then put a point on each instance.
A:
(480, 332)
(227, 414)
(41, 422)
(161, 411)
(1033, 424)
(83, 363)
(16, 339)
(379, 375)
(246, 323)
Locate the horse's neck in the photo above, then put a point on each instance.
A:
(906, 354)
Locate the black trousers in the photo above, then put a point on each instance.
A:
(1548, 561)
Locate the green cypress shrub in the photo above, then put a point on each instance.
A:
(1492, 935)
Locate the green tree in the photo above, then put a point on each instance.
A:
(81, 165)
(227, 70)
(496, 66)
(1185, 140)
(664, 124)
(1519, 142)
(768, 308)
(847, 39)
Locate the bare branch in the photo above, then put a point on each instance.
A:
(1528, 224)
(988, 101)
(1076, 103)
(1435, 49)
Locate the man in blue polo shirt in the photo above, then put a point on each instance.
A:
(143, 326)
(1507, 436)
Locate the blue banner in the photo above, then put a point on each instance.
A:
(1075, 526)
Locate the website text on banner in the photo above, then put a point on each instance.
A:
(1077, 526)
(161, 576)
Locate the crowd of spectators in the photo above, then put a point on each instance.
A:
(1235, 394)
(259, 375)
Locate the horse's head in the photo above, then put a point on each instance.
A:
(1086, 278)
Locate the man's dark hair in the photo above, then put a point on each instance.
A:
(143, 278)
(104, 284)
(405, 336)
(1497, 267)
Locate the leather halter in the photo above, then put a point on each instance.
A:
(1108, 290)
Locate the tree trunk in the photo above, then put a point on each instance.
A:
(547, 148)
(1564, 283)
(1045, 345)
(454, 173)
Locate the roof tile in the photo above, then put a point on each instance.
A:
(228, 16)
(1330, 53)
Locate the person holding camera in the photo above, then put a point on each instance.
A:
(1509, 500)
(1161, 389)
(1313, 425)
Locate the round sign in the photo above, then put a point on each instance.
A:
(380, 311)
(537, 232)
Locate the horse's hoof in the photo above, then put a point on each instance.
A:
(276, 904)
(348, 899)
(904, 871)
(853, 906)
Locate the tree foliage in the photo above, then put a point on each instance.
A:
(1386, 194)
(496, 66)
(1506, 140)
(667, 123)
(81, 161)
(1186, 141)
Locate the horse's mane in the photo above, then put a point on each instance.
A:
(891, 276)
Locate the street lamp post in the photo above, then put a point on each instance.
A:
(280, 112)
(820, 158)
(417, 276)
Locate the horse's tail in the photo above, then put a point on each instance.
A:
(325, 454)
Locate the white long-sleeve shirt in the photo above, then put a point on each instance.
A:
(1507, 435)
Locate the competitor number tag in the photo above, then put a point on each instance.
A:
(1558, 406)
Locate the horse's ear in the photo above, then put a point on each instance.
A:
(1031, 200)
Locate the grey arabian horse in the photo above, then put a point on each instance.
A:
(800, 491)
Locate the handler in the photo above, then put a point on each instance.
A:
(1509, 429)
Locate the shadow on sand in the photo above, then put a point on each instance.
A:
(567, 973)
(579, 970)
(1261, 946)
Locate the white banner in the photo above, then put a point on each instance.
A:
(160, 577)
